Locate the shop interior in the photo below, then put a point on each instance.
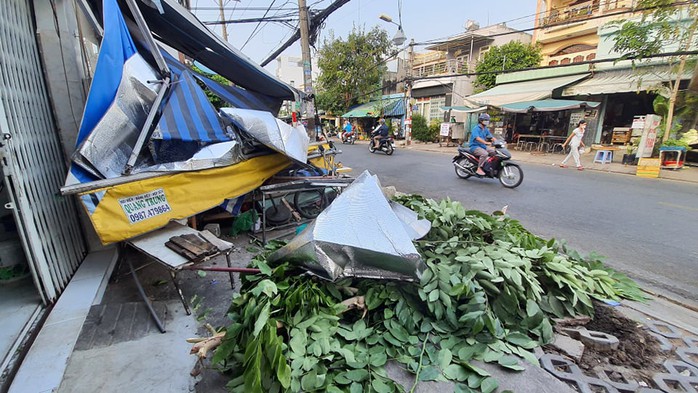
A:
(620, 110)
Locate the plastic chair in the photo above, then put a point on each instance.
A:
(603, 157)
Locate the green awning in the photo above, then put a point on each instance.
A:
(530, 90)
(547, 106)
(391, 107)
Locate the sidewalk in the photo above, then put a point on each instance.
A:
(687, 174)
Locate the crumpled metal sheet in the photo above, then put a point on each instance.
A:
(415, 227)
(210, 156)
(358, 235)
(107, 149)
(272, 132)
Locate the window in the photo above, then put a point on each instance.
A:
(578, 59)
(435, 111)
(553, 62)
(483, 52)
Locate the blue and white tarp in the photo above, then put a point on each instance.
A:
(123, 89)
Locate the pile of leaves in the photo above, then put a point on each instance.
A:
(487, 294)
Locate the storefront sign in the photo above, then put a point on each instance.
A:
(649, 136)
(445, 129)
(144, 206)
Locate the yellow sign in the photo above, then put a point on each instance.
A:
(127, 210)
(648, 167)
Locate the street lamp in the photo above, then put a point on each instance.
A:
(400, 37)
(398, 40)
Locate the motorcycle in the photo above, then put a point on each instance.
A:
(386, 145)
(350, 139)
(497, 165)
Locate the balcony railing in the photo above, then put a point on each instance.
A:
(452, 66)
(582, 10)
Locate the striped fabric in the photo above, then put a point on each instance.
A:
(188, 115)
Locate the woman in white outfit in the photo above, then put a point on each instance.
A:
(575, 141)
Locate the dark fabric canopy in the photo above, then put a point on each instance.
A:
(181, 30)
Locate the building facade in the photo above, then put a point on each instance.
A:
(442, 74)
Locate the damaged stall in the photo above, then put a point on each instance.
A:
(151, 147)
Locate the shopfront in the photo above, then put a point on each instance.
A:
(544, 125)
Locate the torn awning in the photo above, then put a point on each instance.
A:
(529, 90)
(181, 30)
(235, 96)
(547, 106)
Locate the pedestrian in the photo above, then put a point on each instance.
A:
(575, 142)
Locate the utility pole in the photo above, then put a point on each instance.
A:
(410, 66)
(224, 26)
(307, 69)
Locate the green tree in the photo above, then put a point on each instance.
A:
(352, 69)
(513, 55)
(662, 27)
(212, 98)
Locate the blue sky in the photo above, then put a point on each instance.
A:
(421, 20)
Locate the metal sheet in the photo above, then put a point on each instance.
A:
(211, 156)
(272, 132)
(358, 235)
(109, 145)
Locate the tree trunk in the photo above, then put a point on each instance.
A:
(672, 99)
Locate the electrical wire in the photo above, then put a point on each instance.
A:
(257, 27)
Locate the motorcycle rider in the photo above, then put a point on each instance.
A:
(347, 130)
(380, 132)
(479, 145)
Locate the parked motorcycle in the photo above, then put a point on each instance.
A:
(348, 139)
(496, 166)
(386, 145)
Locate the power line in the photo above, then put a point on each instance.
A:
(257, 27)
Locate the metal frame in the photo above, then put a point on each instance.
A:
(33, 162)
(291, 187)
(164, 71)
(153, 245)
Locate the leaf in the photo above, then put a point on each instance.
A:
(356, 388)
(511, 363)
(263, 268)
(456, 372)
(380, 386)
(444, 358)
(378, 360)
(261, 320)
(521, 340)
(357, 375)
(488, 385)
(467, 353)
(265, 286)
(531, 308)
(475, 369)
(429, 373)
(434, 295)
(461, 388)
(308, 381)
